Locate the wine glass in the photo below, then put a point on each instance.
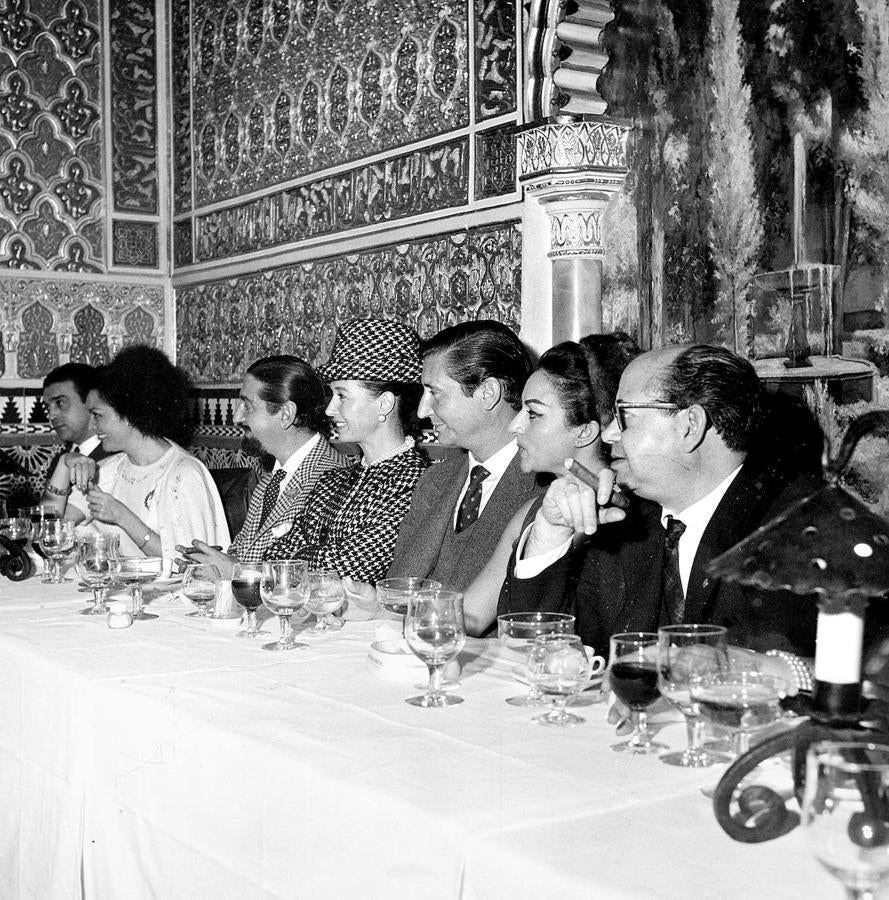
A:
(284, 588)
(37, 514)
(136, 571)
(393, 593)
(846, 813)
(561, 669)
(246, 578)
(632, 675)
(17, 528)
(199, 582)
(740, 700)
(326, 596)
(96, 563)
(434, 632)
(518, 631)
(56, 537)
(686, 653)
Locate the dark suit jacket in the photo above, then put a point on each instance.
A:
(423, 529)
(612, 582)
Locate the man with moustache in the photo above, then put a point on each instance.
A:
(64, 394)
(281, 412)
(473, 375)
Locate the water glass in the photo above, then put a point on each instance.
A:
(562, 669)
(96, 562)
(846, 813)
(284, 589)
(199, 585)
(434, 632)
(326, 596)
(56, 537)
(632, 676)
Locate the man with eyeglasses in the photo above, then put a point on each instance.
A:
(686, 440)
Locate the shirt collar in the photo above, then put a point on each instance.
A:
(696, 516)
(497, 463)
(88, 444)
(297, 458)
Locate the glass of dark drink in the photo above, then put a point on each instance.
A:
(37, 514)
(632, 675)
(246, 582)
(135, 572)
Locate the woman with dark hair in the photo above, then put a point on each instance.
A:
(565, 403)
(151, 492)
(351, 519)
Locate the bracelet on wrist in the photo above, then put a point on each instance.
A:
(802, 673)
(57, 492)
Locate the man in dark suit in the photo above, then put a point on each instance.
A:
(281, 412)
(686, 440)
(473, 375)
(64, 395)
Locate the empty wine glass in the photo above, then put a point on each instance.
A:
(393, 593)
(740, 700)
(434, 632)
(632, 676)
(562, 669)
(199, 585)
(136, 571)
(56, 537)
(96, 564)
(326, 596)
(518, 631)
(846, 813)
(246, 579)
(284, 589)
(686, 653)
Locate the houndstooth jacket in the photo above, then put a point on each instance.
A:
(252, 543)
(351, 520)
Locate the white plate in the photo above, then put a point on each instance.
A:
(520, 673)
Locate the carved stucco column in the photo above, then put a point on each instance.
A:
(570, 167)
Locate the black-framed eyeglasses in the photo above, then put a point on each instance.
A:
(621, 405)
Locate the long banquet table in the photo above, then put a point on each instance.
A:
(171, 759)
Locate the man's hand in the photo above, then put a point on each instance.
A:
(361, 600)
(572, 508)
(199, 552)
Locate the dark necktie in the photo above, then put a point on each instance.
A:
(270, 498)
(671, 583)
(472, 499)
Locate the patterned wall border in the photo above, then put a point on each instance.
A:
(495, 58)
(495, 162)
(410, 184)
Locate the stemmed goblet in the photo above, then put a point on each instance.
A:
(687, 653)
(326, 596)
(434, 632)
(96, 563)
(518, 631)
(846, 813)
(284, 589)
(740, 700)
(246, 579)
(561, 669)
(632, 675)
(56, 537)
(199, 585)
(393, 593)
(136, 571)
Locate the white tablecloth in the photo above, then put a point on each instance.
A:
(172, 759)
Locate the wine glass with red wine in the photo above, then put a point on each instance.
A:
(632, 675)
(246, 581)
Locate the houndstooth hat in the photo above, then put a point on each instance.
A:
(374, 350)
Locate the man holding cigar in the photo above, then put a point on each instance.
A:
(281, 412)
(684, 442)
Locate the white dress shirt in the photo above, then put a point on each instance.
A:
(496, 464)
(87, 445)
(294, 461)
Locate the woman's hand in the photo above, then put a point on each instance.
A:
(82, 469)
(105, 508)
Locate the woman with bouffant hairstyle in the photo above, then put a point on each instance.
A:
(151, 492)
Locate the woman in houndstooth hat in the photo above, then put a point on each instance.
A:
(352, 517)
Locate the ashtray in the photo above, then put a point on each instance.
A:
(392, 660)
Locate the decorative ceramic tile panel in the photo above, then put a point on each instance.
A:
(406, 185)
(134, 173)
(495, 162)
(180, 61)
(182, 252)
(47, 322)
(222, 326)
(283, 89)
(51, 172)
(135, 244)
(495, 58)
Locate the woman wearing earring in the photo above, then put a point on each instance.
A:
(351, 519)
(565, 402)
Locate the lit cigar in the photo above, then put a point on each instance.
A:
(582, 473)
